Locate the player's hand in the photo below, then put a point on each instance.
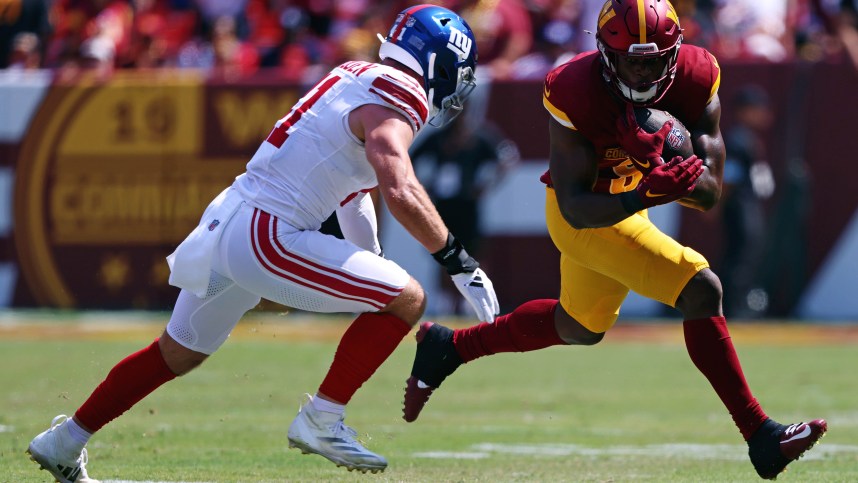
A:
(643, 148)
(479, 292)
(668, 182)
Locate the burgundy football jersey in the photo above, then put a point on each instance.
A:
(577, 96)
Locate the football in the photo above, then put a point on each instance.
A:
(678, 141)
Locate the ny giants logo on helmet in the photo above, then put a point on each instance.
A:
(459, 43)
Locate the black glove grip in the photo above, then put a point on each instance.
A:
(454, 258)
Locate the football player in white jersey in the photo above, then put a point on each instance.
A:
(260, 238)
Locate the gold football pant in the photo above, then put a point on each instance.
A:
(598, 266)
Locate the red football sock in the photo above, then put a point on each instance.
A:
(529, 327)
(709, 345)
(367, 343)
(125, 385)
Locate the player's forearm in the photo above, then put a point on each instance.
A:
(705, 195)
(413, 209)
(593, 210)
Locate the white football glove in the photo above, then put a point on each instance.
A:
(479, 292)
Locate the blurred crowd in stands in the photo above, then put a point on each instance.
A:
(299, 40)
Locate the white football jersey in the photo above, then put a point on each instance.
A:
(311, 162)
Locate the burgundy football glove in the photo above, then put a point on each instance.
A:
(668, 182)
(644, 148)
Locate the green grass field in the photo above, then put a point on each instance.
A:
(633, 408)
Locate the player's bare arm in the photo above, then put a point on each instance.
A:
(709, 146)
(387, 136)
(573, 165)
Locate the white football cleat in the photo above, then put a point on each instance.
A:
(325, 434)
(58, 453)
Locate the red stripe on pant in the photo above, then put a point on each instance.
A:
(279, 261)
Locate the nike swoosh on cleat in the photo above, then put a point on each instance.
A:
(803, 434)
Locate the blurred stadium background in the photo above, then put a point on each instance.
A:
(119, 119)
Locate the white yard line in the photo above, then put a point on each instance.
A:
(677, 450)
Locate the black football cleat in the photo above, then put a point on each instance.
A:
(436, 358)
(773, 446)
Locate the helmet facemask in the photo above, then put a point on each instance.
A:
(452, 104)
(641, 93)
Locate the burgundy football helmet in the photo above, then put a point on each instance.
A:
(640, 29)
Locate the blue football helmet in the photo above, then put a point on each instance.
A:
(439, 45)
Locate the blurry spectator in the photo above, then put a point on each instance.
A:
(98, 52)
(114, 23)
(753, 29)
(196, 53)
(308, 53)
(503, 33)
(554, 26)
(160, 29)
(361, 41)
(517, 39)
(458, 164)
(26, 52)
(232, 56)
(212, 11)
(264, 30)
(847, 28)
(224, 54)
(747, 183)
(69, 19)
(95, 58)
(835, 23)
(696, 18)
(21, 17)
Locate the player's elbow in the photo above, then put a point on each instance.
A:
(703, 198)
(708, 199)
(578, 218)
(589, 221)
(574, 221)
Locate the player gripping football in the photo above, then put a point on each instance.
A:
(604, 172)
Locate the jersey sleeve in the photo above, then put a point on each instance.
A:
(554, 98)
(715, 76)
(697, 81)
(402, 94)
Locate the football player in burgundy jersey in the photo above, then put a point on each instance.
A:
(260, 238)
(604, 171)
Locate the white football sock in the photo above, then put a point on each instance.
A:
(328, 406)
(77, 433)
